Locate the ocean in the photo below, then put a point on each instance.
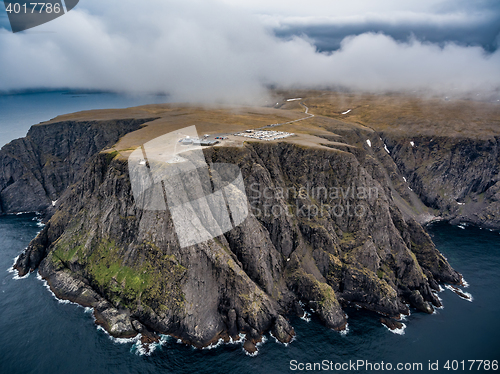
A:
(40, 334)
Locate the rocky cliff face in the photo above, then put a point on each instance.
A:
(37, 169)
(327, 229)
(458, 177)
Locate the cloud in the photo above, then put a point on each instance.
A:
(328, 32)
(327, 23)
(205, 51)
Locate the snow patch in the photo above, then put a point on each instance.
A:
(347, 111)
(368, 142)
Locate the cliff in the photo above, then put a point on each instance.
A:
(457, 177)
(296, 250)
(37, 169)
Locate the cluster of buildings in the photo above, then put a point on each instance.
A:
(265, 135)
(197, 141)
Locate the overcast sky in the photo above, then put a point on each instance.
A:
(230, 50)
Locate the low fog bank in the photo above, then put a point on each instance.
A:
(229, 57)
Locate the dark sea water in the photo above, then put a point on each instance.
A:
(18, 112)
(39, 334)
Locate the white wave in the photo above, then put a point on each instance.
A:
(120, 340)
(240, 340)
(164, 339)
(345, 331)
(468, 298)
(16, 258)
(11, 270)
(214, 345)
(17, 277)
(409, 310)
(440, 300)
(306, 317)
(257, 346)
(456, 290)
(465, 283)
(19, 213)
(254, 354)
(46, 285)
(285, 344)
(40, 224)
(88, 310)
(261, 343)
(400, 331)
(147, 349)
(143, 350)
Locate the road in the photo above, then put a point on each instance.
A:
(309, 115)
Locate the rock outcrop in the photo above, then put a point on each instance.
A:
(459, 177)
(37, 169)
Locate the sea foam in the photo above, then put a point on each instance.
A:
(306, 317)
(456, 290)
(15, 272)
(400, 331)
(345, 331)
